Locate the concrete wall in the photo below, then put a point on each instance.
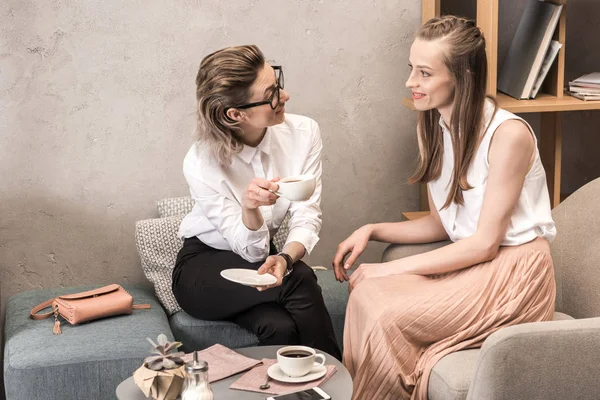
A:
(97, 104)
(97, 111)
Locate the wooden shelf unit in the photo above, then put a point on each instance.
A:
(542, 103)
(550, 102)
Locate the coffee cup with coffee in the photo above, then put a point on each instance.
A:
(297, 361)
(297, 188)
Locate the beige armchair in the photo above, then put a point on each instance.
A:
(543, 360)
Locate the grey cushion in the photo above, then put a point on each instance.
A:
(198, 334)
(174, 206)
(576, 252)
(158, 244)
(451, 377)
(87, 361)
(540, 361)
(335, 295)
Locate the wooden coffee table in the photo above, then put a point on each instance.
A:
(339, 386)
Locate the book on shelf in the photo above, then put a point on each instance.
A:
(528, 48)
(583, 85)
(584, 90)
(546, 64)
(592, 78)
(584, 96)
(586, 87)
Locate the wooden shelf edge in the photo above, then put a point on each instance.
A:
(543, 103)
(411, 215)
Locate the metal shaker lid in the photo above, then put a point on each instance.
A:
(196, 365)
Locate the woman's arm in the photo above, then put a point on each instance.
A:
(257, 193)
(509, 161)
(248, 237)
(423, 230)
(305, 216)
(426, 229)
(277, 265)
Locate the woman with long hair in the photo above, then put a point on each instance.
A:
(487, 194)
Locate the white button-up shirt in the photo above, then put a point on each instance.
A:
(290, 148)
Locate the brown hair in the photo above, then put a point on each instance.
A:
(224, 80)
(464, 56)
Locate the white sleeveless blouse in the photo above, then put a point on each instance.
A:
(531, 217)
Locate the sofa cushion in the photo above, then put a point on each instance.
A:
(335, 295)
(451, 377)
(158, 244)
(197, 334)
(86, 361)
(175, 206)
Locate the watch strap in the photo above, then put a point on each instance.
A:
(289, 262)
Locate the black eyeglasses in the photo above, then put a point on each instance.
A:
(273, 99)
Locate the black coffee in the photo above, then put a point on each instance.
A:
(296, 354)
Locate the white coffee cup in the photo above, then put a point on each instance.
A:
(296, 361)
(297, 188)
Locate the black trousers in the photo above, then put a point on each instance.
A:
(293, 313)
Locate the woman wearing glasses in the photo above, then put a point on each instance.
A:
(246, 142)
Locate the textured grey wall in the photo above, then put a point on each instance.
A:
(97, 103)
(97, 112)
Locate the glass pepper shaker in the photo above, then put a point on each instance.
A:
(196, 386)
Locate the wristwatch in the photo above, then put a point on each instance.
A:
(289, 263)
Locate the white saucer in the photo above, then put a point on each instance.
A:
(248, 277)
(276, 373)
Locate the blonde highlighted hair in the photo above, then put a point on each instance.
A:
(224, 80)
(465, 57)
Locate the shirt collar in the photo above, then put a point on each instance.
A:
(248, 152)
(443, 124)
(265, 144)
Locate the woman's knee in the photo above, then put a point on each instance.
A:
(278, 331)
(303, 272)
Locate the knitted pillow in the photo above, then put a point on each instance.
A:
(183, 205)
(157, 244)
(175, 206)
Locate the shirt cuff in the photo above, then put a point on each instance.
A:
(254, 237)
(253, 245)
(303, 235)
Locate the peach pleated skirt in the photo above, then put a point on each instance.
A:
(398, 327)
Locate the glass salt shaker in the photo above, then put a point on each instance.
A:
(196, 386)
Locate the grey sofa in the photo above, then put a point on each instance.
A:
(90, 360)
(546, 360)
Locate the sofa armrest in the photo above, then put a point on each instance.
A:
(396, 251)
(542, 360)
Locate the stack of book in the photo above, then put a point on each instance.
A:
(532, 50)
(586, 87)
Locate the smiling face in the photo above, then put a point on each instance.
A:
(262, 89)
(430, 80)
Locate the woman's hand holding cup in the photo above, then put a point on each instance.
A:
(259, 192)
